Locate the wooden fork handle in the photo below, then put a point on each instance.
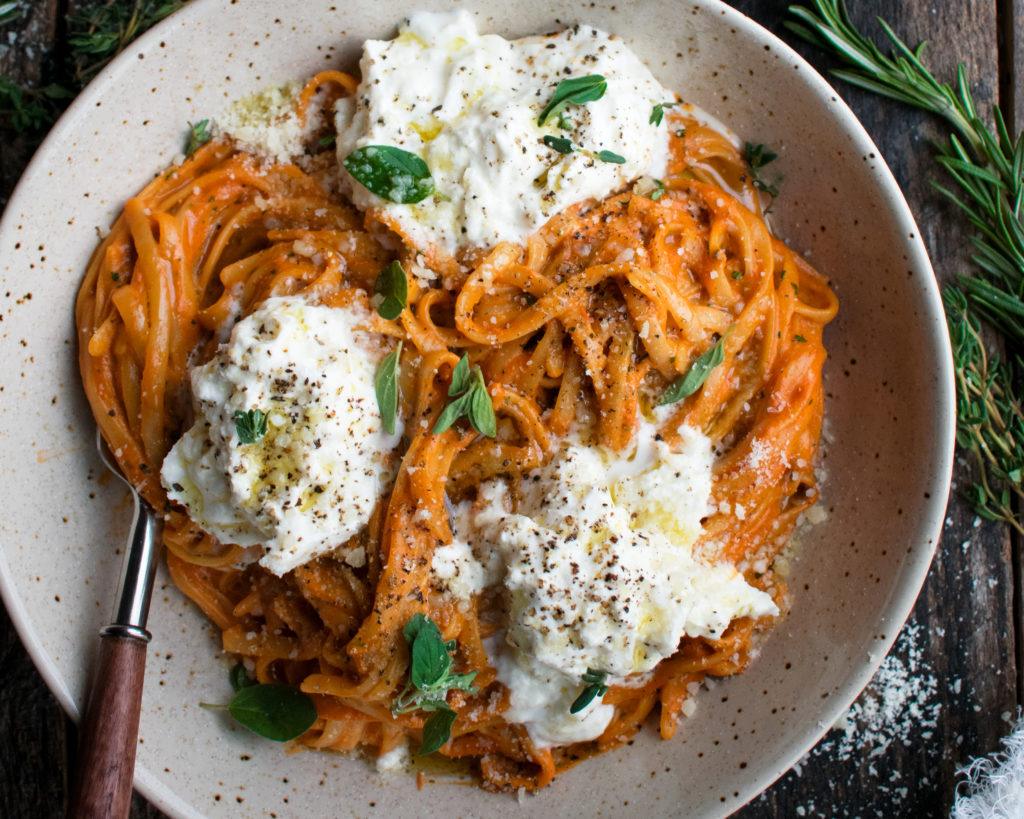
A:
(110, 730)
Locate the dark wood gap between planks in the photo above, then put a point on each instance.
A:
(1010, 19)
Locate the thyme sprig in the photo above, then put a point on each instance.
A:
(987, 165)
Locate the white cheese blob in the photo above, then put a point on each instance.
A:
(468, 105)
(312, 481)
(598, 567)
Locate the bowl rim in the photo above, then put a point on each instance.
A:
(915, 568)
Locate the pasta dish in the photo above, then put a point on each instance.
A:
(574, 454)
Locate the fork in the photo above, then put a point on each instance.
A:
(110, 724)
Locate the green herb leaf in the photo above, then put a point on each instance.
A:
(461, 379)
(429, 658)
(610, 156)
(250, 426)
(691, 382)
(758, 155)
(277, 712)
(392, 284)
(391, 173)
(737, 274)
(575, 91)
(471, 401)
(800, 338)
(595, 687)
(198, 134)
(560, 144)
(437, 730)
(658, 192)
(324, 141)
(385, 384)
(680, 132)
(658, 112)
(430, 680)
(239, 678)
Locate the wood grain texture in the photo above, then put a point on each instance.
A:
(108, 735)
(962, 635)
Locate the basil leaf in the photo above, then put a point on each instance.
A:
(452, 413)
(481, 411)
(460, 377)
(391, 173)
(575, 91)
(250, 426)
(392, 284)
(429, 657)
(437, 731)
(610, 156)
(239, 678)
(691, 382)
(277, 712)
(758, 155)
(560, 144)
(385, 384)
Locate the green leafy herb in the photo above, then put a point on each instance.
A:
(658, 192)
(430, 680)
(737, 274)
(560, 144)
(757, 157)
(595, 687)
(277, 712)
(324, 141)
(393, 285)
(239, 679)
(198, 134)
(575, 91)
(385, 384)
(987, 166)
(565, 123)
(990, 416)
(688, 384)
(391, 173)
(658, 112)
(680, 132)
(610, 156)
(799, 338)
(251, 425)
(9, 12)
(472, 401)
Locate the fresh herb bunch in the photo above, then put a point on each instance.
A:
(990, 417)
(95, 37)
(988, 168)
(430, 680)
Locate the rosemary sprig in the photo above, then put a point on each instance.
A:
(987, 166)
(95, 37)
(990, 417)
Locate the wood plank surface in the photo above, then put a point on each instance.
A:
(946, 691)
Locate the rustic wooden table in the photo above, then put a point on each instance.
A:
(953, 682)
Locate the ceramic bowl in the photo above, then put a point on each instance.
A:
(888, 440)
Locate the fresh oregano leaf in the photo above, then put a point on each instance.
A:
(574, 91)
(461, 380)
(691, 382)
(250, 426)
(239, 678)
(198, 134)
(560, 144)
(391, 173)
(611, 156)
(437, 730)
(658, 112)
(452, 413)
(429, 657)
(393, 286)
(595, 687)
(277, 712)
(481, 411)
(385, 384)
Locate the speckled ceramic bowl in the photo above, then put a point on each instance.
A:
(889, 430)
